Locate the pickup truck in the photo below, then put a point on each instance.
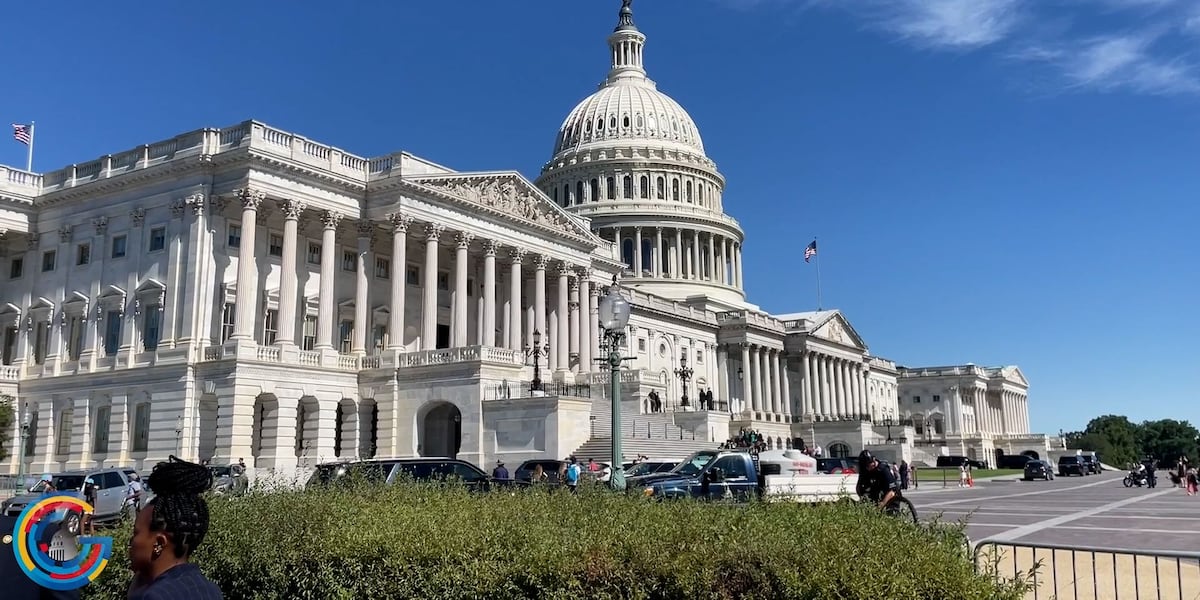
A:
(741, 475)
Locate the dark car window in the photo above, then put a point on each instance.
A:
(108, 480)
(733, 466)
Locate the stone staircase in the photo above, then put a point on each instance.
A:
(654, 435)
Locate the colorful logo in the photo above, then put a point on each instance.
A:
(50, 548)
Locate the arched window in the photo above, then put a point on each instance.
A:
(628, 187)
(612, 122)
(566, 197)
(645, 187)
(600, 125)
(627, 252)
(688, 190)
(595, 190)
(640, 122)
(578, 192)
(647, 255)
(652, 123)
(662, 188)
(612, 188)
(701, 187)
(556, 195)
(625, 122)
(839, 450)
(675, 190)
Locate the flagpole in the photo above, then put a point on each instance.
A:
(29, 155)
(818, 277)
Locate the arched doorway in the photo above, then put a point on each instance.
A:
(839, 450)
(441, 431)
(1031, 454)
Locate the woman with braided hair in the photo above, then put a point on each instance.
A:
(166, 533)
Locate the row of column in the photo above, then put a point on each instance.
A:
(766, 388)
(834, 388)
(997, 413)
(566, 334)
(1015, 409)
(680, 254)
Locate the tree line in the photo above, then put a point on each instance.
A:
(1120, 441)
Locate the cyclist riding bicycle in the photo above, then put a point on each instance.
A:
(876, 481)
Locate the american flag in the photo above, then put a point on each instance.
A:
(810, 251)
(21, 133)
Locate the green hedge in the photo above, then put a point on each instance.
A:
(430, 542)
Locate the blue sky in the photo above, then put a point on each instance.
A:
(991, 181)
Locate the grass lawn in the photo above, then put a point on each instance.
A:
(982, 473)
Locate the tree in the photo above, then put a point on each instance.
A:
(7, 417)
(1113, 437)
(1168, 439)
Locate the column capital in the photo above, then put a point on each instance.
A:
(33, 239)
(463, 239)
(196, 203)
(574, 285)
(400, 222)
(540, 261)
(331, 219)
(250, 198)
(101, 225)
(584, 273)
(177, 208)
(65, 233)
(516, 255)
(291, 209)
(137, 216)
(366, 230)
(433, 231)
(565, 269)
(490, 247)
(637, 228)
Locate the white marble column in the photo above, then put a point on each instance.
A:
(786, 386)
(362, 300)
(739, 267)
(247, 282)
(288, 286)
(593, 291)
(657, 255)
(805, 385)
(777, 402)
(697, 266)
(573, 304)
(461, 263)
(822, 386)
(400, 225)
(723, 373)
(586, 341)
(516, 309)
(563, 346)
(856, 399)
(429, 291)
(744, 380)
(712, 258)
(637, 252)
(325, 301)
(677, 256)
(767, 400)
(489, 293)
(539, 297)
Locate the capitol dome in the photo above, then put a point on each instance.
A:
(630, 159)
(629, 109)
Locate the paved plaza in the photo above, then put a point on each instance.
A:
(1094, 512)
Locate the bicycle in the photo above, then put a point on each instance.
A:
(899, 507)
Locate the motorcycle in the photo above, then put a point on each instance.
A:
(1136, 478)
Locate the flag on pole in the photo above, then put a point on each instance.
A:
(22, 134)
(810, 251)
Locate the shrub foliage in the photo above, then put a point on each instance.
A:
(410, 541)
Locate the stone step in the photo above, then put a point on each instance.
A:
(654, 449)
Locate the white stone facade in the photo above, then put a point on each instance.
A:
(249, 293)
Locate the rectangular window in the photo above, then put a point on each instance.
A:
(314, 253)
(228, 320)
(275, 245)
(152, 327)
(310, 333)
(234, 239)
(41, 341)
(83, 254)
(112, 333)
(10, 345)
(15, 267)
(412, 276)
(937, 398)
(74, 337)
(158, 239)
(699, 357)
(141, 427)
(443, 282)
(383, 268)
(379, 338)
(118, 246)
(62, 435)
(916, 399)
(49, 257)
(345, 331)
(470, 287)
(349, 261)
(270, 327)
(100, 431)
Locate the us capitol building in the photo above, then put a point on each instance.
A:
(249, 293)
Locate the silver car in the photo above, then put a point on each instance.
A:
(112, 492)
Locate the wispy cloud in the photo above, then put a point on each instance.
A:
(1082, 57)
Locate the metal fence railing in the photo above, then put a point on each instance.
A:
(1060, 572)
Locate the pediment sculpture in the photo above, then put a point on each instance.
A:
(507, 195)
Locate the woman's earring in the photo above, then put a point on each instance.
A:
(157, 550)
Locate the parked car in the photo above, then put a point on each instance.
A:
(1092, 462)
(112, 488)
(1013, 461)
(834, 466)
(946, 462)
(1072, 465)
(647, 468)
(1038, 469)
(229, 479)
(389, 471)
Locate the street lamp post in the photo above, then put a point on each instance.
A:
(614, 316)
(887, 420)
(536, 352)
(26, 421)
(742, 384)
(684, 374)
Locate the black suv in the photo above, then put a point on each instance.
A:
(1093, 465)
(1072, 465)
(389, 471)
(1038, 469)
